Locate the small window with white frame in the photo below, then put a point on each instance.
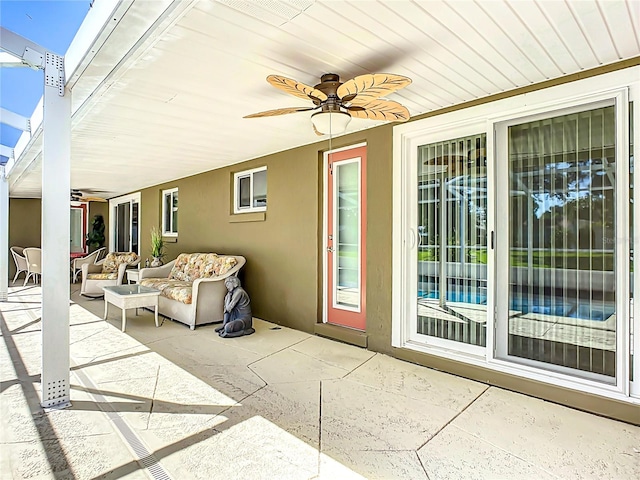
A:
(250, 190)
(170, 212)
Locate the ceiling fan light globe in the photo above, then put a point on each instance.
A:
(330, 122)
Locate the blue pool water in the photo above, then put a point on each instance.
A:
(569, 308)
(454, 296)
(557, 306)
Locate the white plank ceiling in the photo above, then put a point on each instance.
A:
(172, 105)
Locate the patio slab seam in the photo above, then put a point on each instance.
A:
(250, 365)
(93, 334)
(453, 418)
(153, 395)
(349, 372)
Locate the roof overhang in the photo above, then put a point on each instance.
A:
(160, 88)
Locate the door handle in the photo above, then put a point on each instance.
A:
(330, 249)
(412, 237)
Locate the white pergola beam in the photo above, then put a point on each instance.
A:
(31, 54)
(6, 151)
(8, 60)
(14, 120)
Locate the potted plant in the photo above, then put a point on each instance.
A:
(157, 247)
(95, 238)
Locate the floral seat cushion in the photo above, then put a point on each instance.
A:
(102, 276)
(114, 259)
(191, 266)
(174, 289)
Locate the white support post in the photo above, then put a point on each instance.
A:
(56, 183)
(4, 235)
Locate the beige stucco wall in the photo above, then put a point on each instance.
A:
(25, 216)
(283, 274)
(281, 251)
(25, 220)
(284, 258)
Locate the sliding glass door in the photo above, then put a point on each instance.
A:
(513, 236)
(557, 229)
(452, 240)
(78, 228)
(125, 224)
(123, 227)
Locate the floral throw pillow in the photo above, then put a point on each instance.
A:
(178, 267)
(114, 259)
(223, 264)
(191, 266)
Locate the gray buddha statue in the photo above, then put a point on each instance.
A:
(237, 311)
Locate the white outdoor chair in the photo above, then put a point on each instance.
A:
(34, 263)
(20, 261)
(102, 253)
(93, 257)
(107, 272)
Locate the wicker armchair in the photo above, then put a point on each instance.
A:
(76, 265)
(20, 261)
(34, 263)
(107, 272)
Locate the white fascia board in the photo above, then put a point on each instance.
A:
(94, 24)
(158, 15)
(102, 18)
(28, 137)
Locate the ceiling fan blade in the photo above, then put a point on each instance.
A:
(371, 86)
(296, 89)
(92, 199)
(80, 198)
(279, 111)
(382, 110)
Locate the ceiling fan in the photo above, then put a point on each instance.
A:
(77, 195)
(337, 102)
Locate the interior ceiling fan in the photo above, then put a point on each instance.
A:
(337, 102)
(77, 195)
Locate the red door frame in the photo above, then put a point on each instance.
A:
(341, 316)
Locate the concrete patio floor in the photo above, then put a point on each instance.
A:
(169, 402)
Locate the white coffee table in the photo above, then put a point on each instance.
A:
(130, 296)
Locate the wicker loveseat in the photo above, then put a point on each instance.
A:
(107, 272)
(192, 286)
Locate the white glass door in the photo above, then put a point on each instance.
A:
(124, 224)
(523, 262)
(123, 227)
(558, 251)
(452, 240)
(78, 228)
